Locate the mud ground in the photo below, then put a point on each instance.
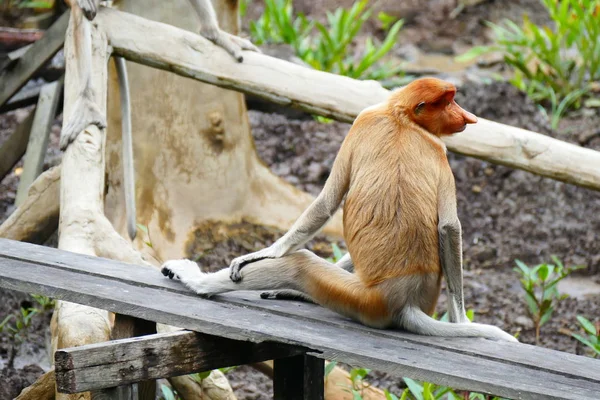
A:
(505, 214)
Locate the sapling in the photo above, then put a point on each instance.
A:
(541, 291)
(593, 334)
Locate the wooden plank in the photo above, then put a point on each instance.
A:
(37, 145)
(298, 378)
(34, 59)
(397, 357)
(125, 361)
(8, 59)
(527, 355)
(24, 98)
(15, 146)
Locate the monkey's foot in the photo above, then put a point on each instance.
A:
(190, 275)
(230, 43)
(286, 295)
(85, 113)
(89, 8)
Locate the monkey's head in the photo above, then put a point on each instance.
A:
(429, 102)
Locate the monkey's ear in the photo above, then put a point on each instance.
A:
(419, 108)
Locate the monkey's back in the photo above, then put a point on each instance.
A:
(391, 208)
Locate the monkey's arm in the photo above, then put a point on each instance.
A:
(311, 220)
(209, 28)
(450, 247)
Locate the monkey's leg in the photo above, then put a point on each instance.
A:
(344, 263)
(303, 271)
(209, 28)
(311, 220)
(451, 259)
(450, 247)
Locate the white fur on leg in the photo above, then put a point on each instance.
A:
(204, 284)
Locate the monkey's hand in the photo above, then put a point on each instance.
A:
(239, 262)
(89, 8)
(85, 113)
(230, 43)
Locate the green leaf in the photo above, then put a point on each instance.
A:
(543, 271)
(389, 396)
(143, 228)
(471, 314)
(584, 341)
(415, 388)
(523, 268)
(587, 325)
(356, 395)
(329, 367)
(35, 4)
(474, 53)
(337, 253)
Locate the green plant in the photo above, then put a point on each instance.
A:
(541, 292)
(15, 326)
(337, 253)
(148, 241)
(555, 66)
(426, 391)
(593, 334)
(329, 49)
(11, 4)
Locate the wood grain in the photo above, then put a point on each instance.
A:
(125, 361)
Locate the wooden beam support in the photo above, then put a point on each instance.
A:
(125, 361)
(45, 112)
(299, 378)
(339, 97)
(34, 59)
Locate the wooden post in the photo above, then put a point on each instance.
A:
(299, 378)
(38, 138)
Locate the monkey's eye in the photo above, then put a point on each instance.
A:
(419, 107)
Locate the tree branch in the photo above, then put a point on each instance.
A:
(184, 53)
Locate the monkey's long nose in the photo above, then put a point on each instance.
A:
(469, 118)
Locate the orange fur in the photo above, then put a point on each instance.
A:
(395, 165)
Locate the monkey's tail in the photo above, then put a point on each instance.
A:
(416, 321)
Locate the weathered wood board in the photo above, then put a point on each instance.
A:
(124, 361)
(36, 56)
(516, 371)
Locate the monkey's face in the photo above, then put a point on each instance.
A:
(431, 104)
(443, 116)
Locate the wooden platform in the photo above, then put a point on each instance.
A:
(516, 371)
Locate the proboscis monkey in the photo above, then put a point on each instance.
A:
(85, 112)
(400, 225)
